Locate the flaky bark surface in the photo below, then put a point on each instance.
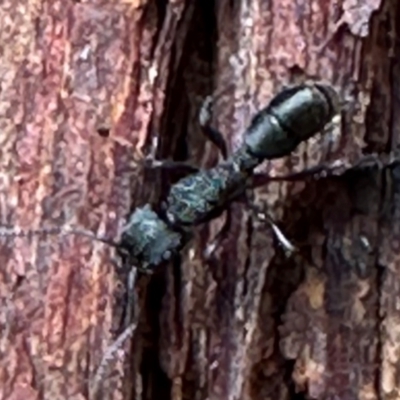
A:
(254, 324)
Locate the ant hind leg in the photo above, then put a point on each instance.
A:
(322, 170)
(319, 171)
(264, 217)
(219, 237)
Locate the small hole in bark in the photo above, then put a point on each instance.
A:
(103, 131)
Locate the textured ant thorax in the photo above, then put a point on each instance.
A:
(199, 197)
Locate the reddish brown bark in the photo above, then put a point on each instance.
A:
(255, 324)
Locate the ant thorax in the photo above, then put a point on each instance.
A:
(200, 197)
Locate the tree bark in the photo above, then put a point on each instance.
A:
(88, 90)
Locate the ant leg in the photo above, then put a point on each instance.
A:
(209, 132)
(131, 321)
(263, 216)
(182, 166)
(287, 246)
(150, 162)
(219, 237)
(131, 296)
(320, 171)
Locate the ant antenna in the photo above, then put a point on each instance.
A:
(18, 232)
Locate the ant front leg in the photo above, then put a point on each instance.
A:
(179, 166)
(209, 132)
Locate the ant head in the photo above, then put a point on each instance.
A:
(147, 240)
